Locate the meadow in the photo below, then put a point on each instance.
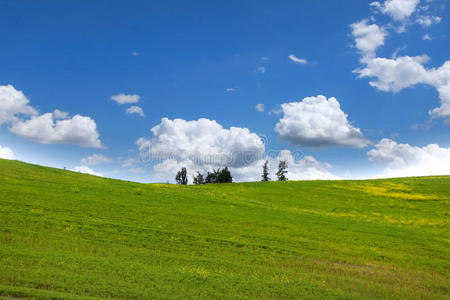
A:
(65, 235)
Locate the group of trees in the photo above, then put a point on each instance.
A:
(281, 173)
(216, 176)
(224, 175)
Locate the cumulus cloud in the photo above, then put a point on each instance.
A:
(294, 58)
(48, 128)
(86, 170)
(78, 130)
(13, 104)
(427, 37)
(95, 159)
(398, 10)
(259, 107)
(318, 122)
(397, 73)
(125, 99)
(400, 160)
(6, 153)
(204, 141)
(368, 37)
(135, 110)
(199, 145)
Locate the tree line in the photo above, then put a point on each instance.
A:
(224, 175)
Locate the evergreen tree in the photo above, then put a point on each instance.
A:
(219, 176)
(211, 177)
(199, 179)
(282, 171)
(265, 175)
(181, 177)
(224, 176)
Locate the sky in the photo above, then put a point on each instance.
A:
(136, 90)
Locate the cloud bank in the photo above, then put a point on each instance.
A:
(401, 160)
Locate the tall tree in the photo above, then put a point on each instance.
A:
(199, 179)
(211, 177)
(181, 177)
(265, 175)
(282, 170)
(224, 176)
(219, 176)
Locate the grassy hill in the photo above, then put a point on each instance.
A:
(69, 235)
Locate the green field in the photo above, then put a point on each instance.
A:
(69, 235)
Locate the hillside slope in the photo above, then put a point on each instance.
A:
(68, 235)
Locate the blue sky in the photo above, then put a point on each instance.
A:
(217, 60)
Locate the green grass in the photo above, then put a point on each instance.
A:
(66, 235)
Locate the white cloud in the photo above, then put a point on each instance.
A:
(203, 141)
(294, 58)
(95, 159)
(6, 153)
(318, 122)
(367, 37)
(86, 170)
(230, 89)
(401, 160)
(57, 114)
(426, 37)
(78, 130)
(398, 10)
(395, 74)
(427, 21)
(13, 103)
(262, 70)
(125, 99)
(135, 110)
(47, 128)
(259, 107)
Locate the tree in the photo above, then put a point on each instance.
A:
(224, 176)
(282, 170)
(211, 177)
(219, 176)
(265, 175)
(181, 177)
(199, 179)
